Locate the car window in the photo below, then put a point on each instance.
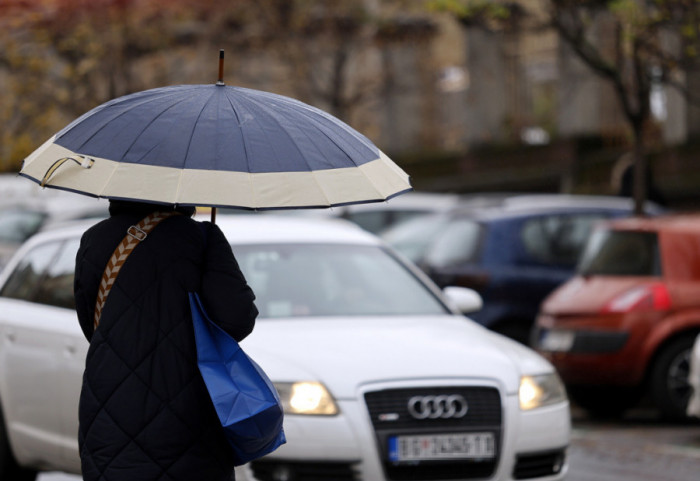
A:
(332, 280)
(621, 253)
(377, 221)
(372, 221)
(413, 237)
(405, 214)
(558, 239)
(56, 287)
(25, 278)
(458, 243)
(18, 225)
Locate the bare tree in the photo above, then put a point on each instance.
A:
(653, 41)
(59, 58)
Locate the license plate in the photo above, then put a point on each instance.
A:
(442, 446)
(557, 341)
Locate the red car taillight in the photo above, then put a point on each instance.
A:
(651, 297)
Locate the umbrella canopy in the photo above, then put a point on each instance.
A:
(219, 146)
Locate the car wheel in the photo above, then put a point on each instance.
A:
(9, 469)
(607, 402)
(668, 382)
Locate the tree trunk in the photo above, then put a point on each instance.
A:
(640, 172)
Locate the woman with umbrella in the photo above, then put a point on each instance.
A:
(142, 411)
(145, 413)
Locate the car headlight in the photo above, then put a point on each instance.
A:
(542, 390)
(306, 398)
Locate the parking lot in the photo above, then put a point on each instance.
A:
(640, 448)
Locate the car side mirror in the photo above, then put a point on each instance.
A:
(463, 299)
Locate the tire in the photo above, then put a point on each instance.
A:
(606, 402)
(668, 379)
(9, 469)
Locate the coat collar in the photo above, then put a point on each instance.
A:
(142, 209)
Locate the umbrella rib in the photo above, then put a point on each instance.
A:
(238, 120)
(370, 181)
(319, 126)
(301, 153)
(189, 141)
(92, 113)
(310, 115)
(313, 114)
(109, 179)
(245, 148)
(151, 122)
(187, 151)
(277, 98)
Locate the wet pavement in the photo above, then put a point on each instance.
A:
(638, 448)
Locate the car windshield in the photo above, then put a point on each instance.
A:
(16, 225)
(413, 237)
(457, 243)
(621, 253)
(299, 280)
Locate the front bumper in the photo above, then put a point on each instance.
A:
(596, 350)
(532, 444)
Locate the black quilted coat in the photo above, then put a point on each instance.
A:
(145, 414)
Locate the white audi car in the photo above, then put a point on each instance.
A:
(381, 375)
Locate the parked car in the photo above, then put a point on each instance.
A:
(513, 249)
(407, 387)
(625, 324)
(25, 209)
(693, 408)
(377, 216)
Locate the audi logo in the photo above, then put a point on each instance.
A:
(446, 406)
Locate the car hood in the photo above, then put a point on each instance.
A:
(347, 353)
(588, 295)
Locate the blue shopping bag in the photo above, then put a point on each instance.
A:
(247, 403)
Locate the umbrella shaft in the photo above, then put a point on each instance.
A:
(221, 67)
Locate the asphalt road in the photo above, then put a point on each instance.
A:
(641, 447)
(638, 448)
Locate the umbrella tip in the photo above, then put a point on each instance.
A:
(221, 68)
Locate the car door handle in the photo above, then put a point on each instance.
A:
(70, 349)
(11, 336)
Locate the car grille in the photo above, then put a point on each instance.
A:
(390, 416)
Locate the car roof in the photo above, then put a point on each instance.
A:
(412, 200)
(252, 229)
(271, 229)
(409, 201)
(517, 205)
(685, 223)
(239, 230)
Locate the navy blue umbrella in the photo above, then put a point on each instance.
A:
(216, 145)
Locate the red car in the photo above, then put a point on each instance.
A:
(624, 326)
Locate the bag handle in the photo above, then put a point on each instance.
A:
(134, 235)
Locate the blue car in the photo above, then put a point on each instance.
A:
(513, 249)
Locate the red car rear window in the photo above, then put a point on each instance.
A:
(621, 253)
